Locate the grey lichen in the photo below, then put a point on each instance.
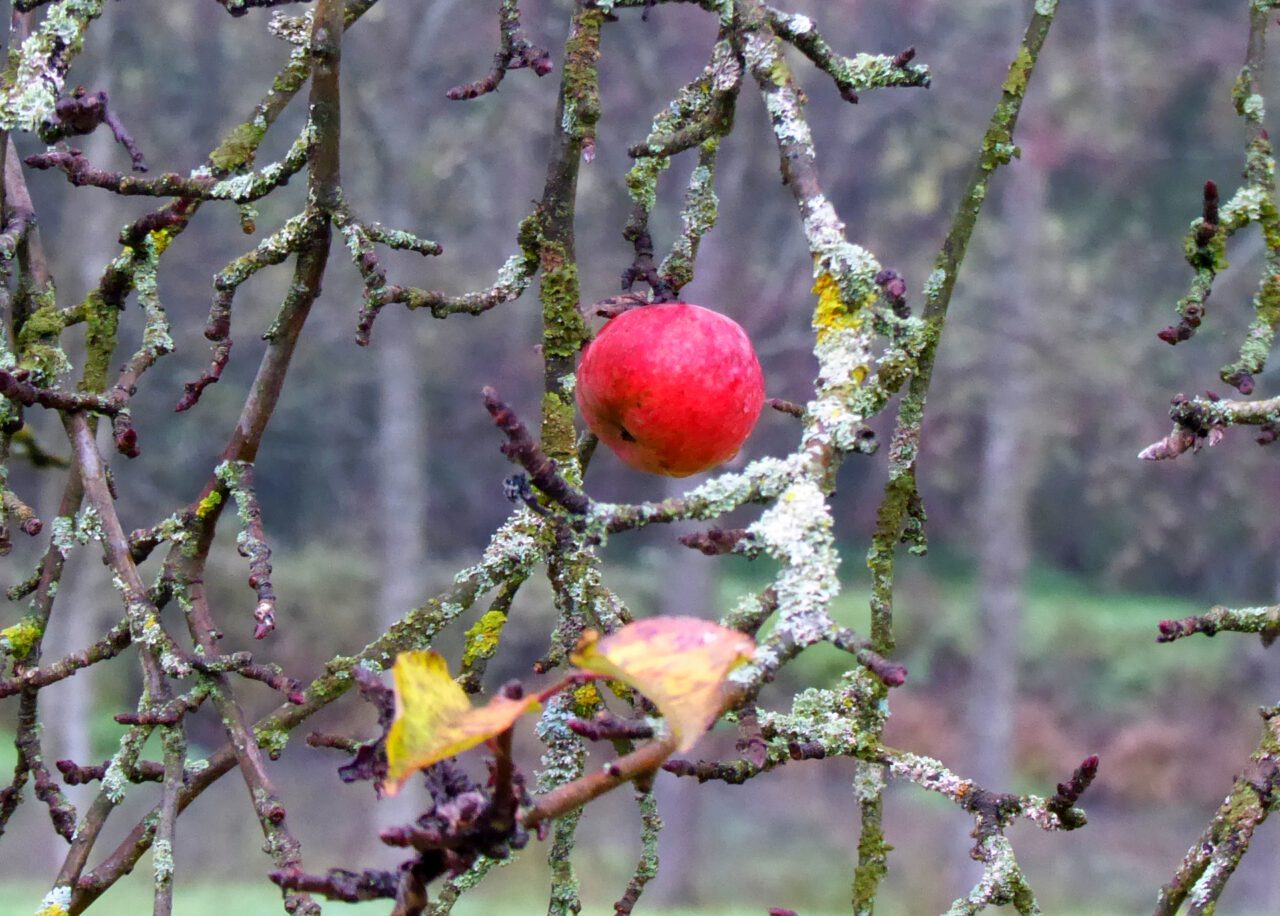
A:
(33, 82)
(796, 530)
(868, 781)
(562, 761)
(55, 903)
(78, 530)
(1002, 881)
(115, 781)
(162, 860)
(156, 339)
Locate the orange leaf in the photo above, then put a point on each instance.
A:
(679, 663)
(435, 719)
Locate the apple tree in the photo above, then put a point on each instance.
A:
(640, 691)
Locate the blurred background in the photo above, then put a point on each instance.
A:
(1050, 543)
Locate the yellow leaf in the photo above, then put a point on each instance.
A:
(679, 663)
(435, 719)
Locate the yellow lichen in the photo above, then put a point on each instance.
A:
(586, 700)
(831, 313)
(208, 504)
(22, 637)
(161, 239)
(482, 638)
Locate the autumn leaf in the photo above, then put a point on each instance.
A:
(679, 663)
(435, 718)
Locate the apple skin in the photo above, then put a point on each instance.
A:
(672, 389)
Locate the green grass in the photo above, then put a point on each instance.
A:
(1076, 634)
(133, 899)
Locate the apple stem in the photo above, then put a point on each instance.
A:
(787, 407)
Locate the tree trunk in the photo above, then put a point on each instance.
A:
(1010, 462)
(689, 588)
(402, 490)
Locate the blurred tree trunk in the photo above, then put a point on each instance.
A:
(1011, 457)
(688, 588)
(401, 464)
(397, 349)
(1106, 78)
(69, 710)
(402, 422)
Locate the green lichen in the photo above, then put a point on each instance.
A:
(873, 854)
(1212, 254)
(581, 80)
(557, 426)
(238, 147)
(43, 323)
(1260, 337)
(38, 349)
(272, 739)
(156, 340)
(564, 331)
(642, 180)
(232, 475)
(102, 324)
(1019, 72)
(697, 218)
(250, 186)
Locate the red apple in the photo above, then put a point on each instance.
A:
(672, 388)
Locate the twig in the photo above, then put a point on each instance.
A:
(524, 451)
(240, 189)
(1063, 803)
(23, 392)
(608, 727)
(1205, 419)
(237, 477)
(647, 867)
(851, 75)
(83, 112)
(1253, 202)
(514, 53)
(900, 517)
(1213, 858)
(717, 541)
(360, 239)
(512, 280)
(240, 7)
(1264, 621)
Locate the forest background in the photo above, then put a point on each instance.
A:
(1044, 526)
